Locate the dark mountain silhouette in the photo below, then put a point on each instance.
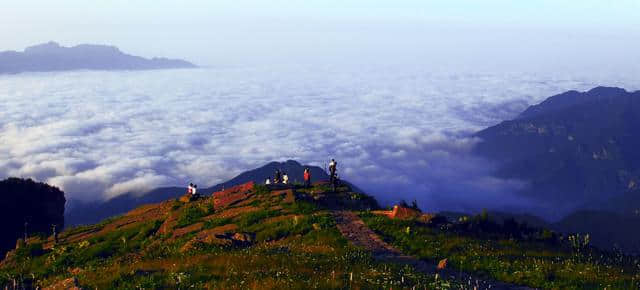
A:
(24, 200)
(93, 212)
(580, 152)
(607, 230)
(53, 57)
(259, 175)
(574, 148)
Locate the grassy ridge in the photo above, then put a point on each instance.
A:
(295, 245)
(536, 263)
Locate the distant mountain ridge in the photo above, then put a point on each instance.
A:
(53, 57)
(93, 212)
(580, 154)
(574, 148)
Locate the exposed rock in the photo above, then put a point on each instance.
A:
(67, 284)
(186, 198)
(233, 195)
(247, 238)
(401, 212)
(442, 264)
(216, 236)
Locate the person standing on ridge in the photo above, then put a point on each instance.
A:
(285, 178)
(307, 178)
(190, 188)
(194, 193)
(332, 170)
(276, 179)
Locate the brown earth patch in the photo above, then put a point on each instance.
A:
(186, 230)
(287, 195)
(234, 212)
(280, 218)
(211, 237)
(233, 195)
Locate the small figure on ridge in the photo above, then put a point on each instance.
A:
(307, 177)
(277, 178)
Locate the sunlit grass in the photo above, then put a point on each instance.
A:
(532, 263)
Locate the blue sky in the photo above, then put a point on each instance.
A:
(440, 33)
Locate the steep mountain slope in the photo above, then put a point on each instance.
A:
(573, 148)
(580, 153)
(39, 205)
(93, 212)
(53, 57)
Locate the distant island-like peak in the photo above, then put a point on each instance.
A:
(51, 56)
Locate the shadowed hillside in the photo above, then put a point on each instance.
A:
(574, 148)
(37, 204)
(579, 153)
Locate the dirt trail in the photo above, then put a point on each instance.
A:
(354, 229)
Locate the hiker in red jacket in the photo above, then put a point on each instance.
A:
(307, 178)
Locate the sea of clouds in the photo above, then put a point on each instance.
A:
(396, 133)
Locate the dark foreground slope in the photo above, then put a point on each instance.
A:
(53, 57)
(37, 204)
(92, 212)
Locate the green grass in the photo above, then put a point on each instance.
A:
(255, 217)
(302, 251)
(301, 207)
(533, 263)
(216, 222)
(193, 214)
(260, 189)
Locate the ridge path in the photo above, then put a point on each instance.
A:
(359, 234)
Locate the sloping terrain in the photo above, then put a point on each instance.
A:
(575, 149)
(578, 153)
(82, 213)
(285, 236)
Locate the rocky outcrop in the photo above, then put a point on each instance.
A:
(25, 203)
(233, 195)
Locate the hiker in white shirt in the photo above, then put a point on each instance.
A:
(285, 178)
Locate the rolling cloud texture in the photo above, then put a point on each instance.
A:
(397, 135)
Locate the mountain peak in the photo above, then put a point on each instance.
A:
(47, 47)
(571, 98)
(51, 56)
(607, 91)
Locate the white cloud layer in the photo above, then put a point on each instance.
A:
(399, 134)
